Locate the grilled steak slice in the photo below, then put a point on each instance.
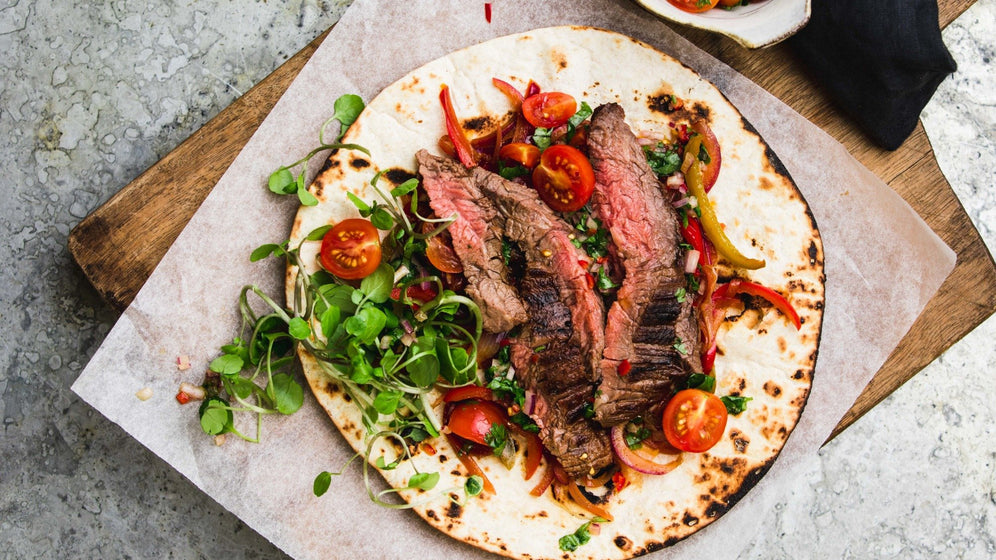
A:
(558, 352)
(646, 326)
(476, 235)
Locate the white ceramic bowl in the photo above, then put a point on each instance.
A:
(758, 24)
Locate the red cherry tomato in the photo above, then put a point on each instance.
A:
(730, 3)
(564, 178)
(710, 169)
(351, 249)
(472, 419)
(694, 6)
(525, 154)
(549, 109)
(694, 420)
(441, 255)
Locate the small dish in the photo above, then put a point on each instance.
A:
(759, 24)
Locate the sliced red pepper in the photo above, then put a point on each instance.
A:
(464, 151)
(582, 500)
(624, 368)
(509, 90)
(619, 481)
(738, 286)
(468, 392)
(544, 482)
(470, 464)
(534, 449)
(182, 397)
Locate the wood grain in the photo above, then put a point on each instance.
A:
(172, 190)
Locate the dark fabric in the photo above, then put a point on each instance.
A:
(881, 61)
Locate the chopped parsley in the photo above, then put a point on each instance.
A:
(679, 345)
(702, 381)
(497, 438)
(634, 440)
(735, 404)
(680, 294)
(603, 281)
(571, 542)
(504, 387)
(663, 159)
(525, 422)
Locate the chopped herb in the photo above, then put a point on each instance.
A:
(504, 387)
(679, 345)
(511, 172)
(603, 281)
(634, 439)
(704, 154)
(570, 543)
(702, 381)
(506, 250)
(680, 294)
(693, 283)
(541, 138)
(497, 438)
(589, 410)
(663, 159)
(474, 485)
(579, 117)
(525, 422)
(735, 404)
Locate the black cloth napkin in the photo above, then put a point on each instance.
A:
(881, 61)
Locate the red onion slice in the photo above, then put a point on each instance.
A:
(634, 460)
(692, 261)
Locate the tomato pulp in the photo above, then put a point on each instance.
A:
(564, 178)
(351, 249)
(694, 420)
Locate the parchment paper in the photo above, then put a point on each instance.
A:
(188, 306)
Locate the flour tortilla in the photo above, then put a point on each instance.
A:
(761, 355)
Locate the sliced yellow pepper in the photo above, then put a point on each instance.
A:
(710, 224)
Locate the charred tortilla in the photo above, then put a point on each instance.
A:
(761, 355)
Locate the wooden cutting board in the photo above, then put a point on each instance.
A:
(168, 194)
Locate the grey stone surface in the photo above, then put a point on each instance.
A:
(91, 94)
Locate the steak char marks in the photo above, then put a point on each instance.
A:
(476, 235)
(559, 350)
(646, 325)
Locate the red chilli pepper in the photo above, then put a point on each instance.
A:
(738, 286)
(624, 368)
(464, 151)
(487, 11)
(619, 481)
(182, 397)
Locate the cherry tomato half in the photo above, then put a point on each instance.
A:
(472, 419)
(549, 109)
(525, 154)
(351, 249)
(694, 420)
(694, 6)
(710, 145)
(442, 256)
(564, 178)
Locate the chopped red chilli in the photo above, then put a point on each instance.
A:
(624, 367)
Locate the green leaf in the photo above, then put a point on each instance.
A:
(386, 402)
(347, 108)
(362, 206)
(242, 387)
(474, 485)
(330, 320)
(216, 416)
(541, 137)
(322, 483)
(497, 438)
(226, 364)
(404, 188)
(735, 404)
(366, 324)
(424, 481)
(382, 219)
(306, 198)
(287, 393)
(701, 381)
(570, 543)
(299, 328)
(339, 296)
(451, 362)
(424, 370)
(282, 181)
(663, 160)
(318, 233)
(264, 251)
(384, 465)
(377, 286)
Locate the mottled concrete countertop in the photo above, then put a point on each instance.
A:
(93, 93)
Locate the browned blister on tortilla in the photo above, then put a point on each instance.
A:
(760, 353)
